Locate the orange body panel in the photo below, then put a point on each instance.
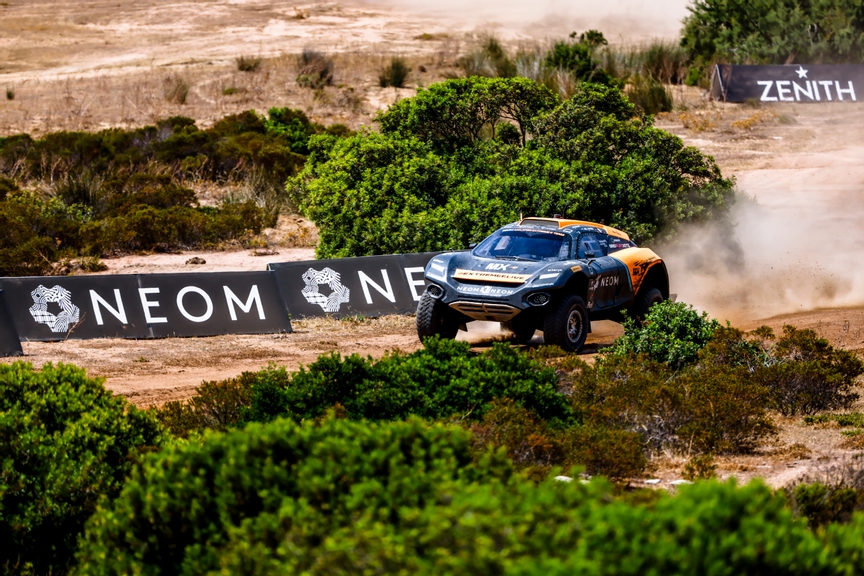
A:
(638, 262)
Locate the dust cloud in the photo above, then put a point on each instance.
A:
(620, 20)
(801, 238)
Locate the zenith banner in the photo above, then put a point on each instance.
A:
(145, 306)
(370, 285)
(788, 83)
(10, 345)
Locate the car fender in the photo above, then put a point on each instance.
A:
(643, 263)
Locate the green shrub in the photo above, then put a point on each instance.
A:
(394, 74)
(175, 89)
(403, 498)
(441, 381)
(578, 59)
(248, 63)
(535, 447)
(436, 178)
(773, 32)
(649, 95)
(700, 467)
(195, 505)
(672, 333)
(489, 60)
(315, 70)
(701, 409)
(67, 444)
(802, 371)
(216, 406)
(852, 419)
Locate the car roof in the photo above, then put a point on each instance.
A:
(564, 222)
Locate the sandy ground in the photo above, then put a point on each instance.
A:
(90, 65)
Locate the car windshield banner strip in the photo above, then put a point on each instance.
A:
(368, 286)
(145, 305)
(10, 344)
(788, 83)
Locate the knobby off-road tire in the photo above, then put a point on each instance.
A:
(522, 330)
(433, 319)
(566, 325)
(647, 297)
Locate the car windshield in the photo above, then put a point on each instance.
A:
(525, 245)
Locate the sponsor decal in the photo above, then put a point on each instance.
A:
(339, 294)
(65, 319)
(146, 306)
(500, 266)
(369, 285)
(547, 276)
(487, 290)
(603, 282)
(788, 83)
(575, 268)
(461, 274)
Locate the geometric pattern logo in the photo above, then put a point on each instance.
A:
(339, 294)
(68, 315)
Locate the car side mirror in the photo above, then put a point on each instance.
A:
(472, 245)
(589, 254)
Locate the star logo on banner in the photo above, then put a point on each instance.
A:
(802, 73)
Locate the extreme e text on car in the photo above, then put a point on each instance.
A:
(549, 274)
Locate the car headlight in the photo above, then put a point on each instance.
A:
(539, 299)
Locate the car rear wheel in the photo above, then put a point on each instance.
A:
(646, 298)
(567, 325)
(434, 319)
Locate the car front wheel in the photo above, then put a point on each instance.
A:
(567, 325)
(434, 319)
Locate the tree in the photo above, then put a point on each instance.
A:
(446, 170)
(773, 32)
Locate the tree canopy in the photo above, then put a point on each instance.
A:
(466, 156)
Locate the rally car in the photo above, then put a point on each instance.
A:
(549, 274)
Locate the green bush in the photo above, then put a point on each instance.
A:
(773, 32)
(437, 178)
(441, 381)
(315, 70)
(701, 409)
(67, 444)
(672, 333)
(649, 95)
(216, 406)
(489, 60)
(248, 63)
(535, 447)
(277, 492)
(405, 498)
(802, 371)
(394, 74)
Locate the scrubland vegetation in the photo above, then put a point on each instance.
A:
(441, 460)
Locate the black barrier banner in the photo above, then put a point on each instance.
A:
(370, 285)
(788, 83)
(10, 345)
(145, 306)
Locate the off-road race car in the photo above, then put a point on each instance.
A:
(549, 274)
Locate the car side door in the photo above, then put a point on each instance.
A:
(609, 281)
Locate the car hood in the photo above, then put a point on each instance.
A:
(464, 266)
